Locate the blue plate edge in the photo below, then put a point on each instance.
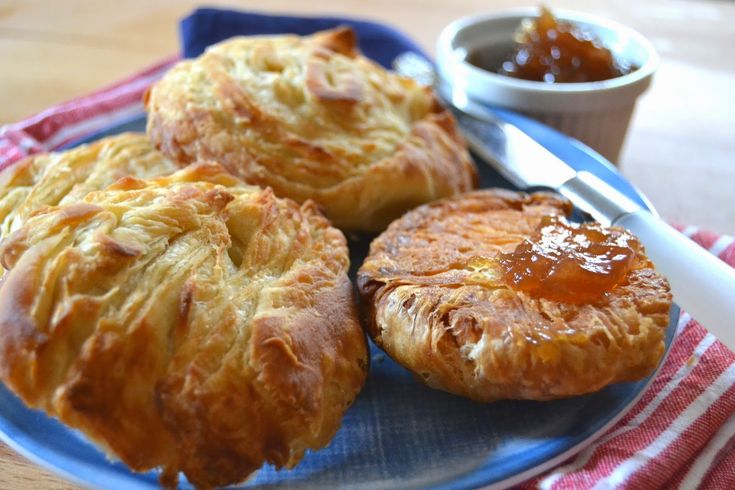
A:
(473, 481)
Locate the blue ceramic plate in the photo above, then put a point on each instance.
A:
(399, 434)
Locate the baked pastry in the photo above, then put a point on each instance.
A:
(189, 322)
(48, 179)
(494, 295)
(313, 119)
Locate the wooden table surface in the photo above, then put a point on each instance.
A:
(680, 150)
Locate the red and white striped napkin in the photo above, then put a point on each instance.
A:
(681, 434)
(52, 128)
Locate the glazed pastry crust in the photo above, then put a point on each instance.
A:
(188, 322)
(48, 179)
(435, 301)
(313, 119)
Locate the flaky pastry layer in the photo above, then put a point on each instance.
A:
(48, 179)
(188, 322)
(313, 119)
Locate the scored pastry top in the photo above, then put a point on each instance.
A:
(189, 322)
(312, 118)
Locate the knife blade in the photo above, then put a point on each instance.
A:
(700, 282)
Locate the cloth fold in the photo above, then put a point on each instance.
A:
(680, 434)
(207, 26)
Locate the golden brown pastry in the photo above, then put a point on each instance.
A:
(313, 119)
(188, 322)
(48, 179)
(442, 301)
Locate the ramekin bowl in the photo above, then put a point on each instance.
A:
(596, 113)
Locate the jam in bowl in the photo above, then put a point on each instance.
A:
(551, 50)
(480, 57)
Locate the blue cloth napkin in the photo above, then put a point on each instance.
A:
(208, 26)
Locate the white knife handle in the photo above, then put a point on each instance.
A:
(701, 283)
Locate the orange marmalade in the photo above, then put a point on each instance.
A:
(569, 262)
(553, 51)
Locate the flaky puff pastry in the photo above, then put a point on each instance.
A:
(48, 179)
(313, 119)
(436, 301)
(189, 322)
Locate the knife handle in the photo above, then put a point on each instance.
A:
(701, 283)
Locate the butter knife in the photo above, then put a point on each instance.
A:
(701, 283)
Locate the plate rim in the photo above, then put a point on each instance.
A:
(672, 332)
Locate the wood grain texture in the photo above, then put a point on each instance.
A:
(680, 150)
(18, 473)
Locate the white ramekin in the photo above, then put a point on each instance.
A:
(596, 113)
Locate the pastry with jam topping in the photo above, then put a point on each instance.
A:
(496, 295)
(572, 263)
